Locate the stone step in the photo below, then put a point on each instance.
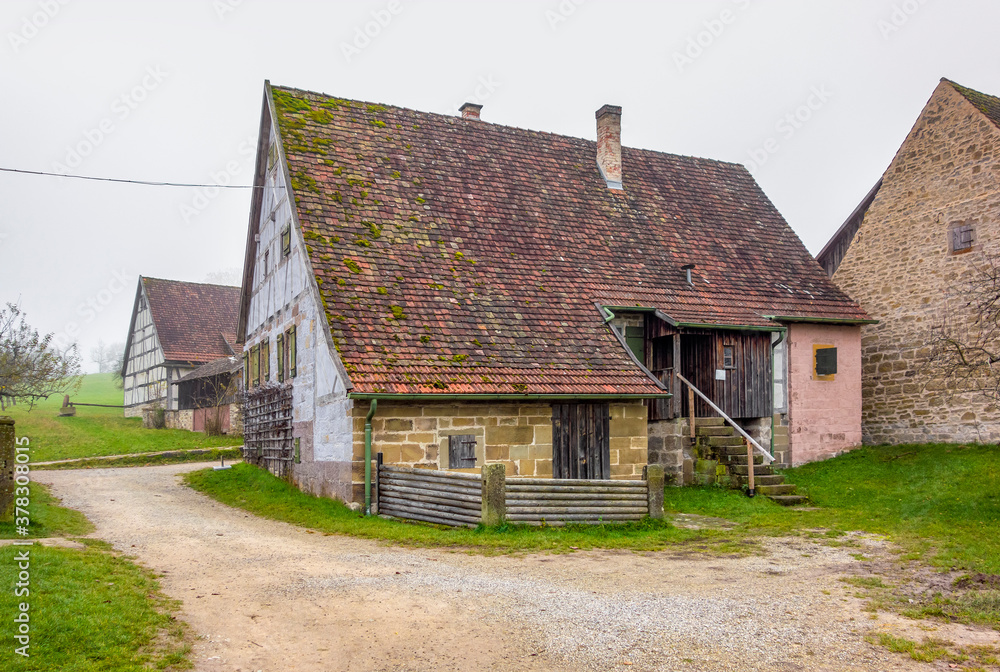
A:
(734, 450)
(719, 441)
(772, 490)
(761, 480)
(741, 458)
(714, 430)
(758, 470)
(707, 422)
(790, 500)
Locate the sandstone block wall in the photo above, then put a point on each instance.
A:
(901, 269)
(517, 435)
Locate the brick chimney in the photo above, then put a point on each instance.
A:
(609, 145)
(470, 111)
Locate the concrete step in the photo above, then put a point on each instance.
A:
(772, 490)
(790, 500)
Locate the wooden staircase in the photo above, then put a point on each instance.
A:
(716, 440)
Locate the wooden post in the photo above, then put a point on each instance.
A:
(691, 409)
(7, 453)
(494, 508)
(653, 475)
(750, 488)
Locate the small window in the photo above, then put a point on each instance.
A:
(267, 262)
(462, 451)
(265, 360)
(280, 359)
(290, 346)
(728, 357)
(254, 366)
(246, 370)
(825, 357)
(635, 337)
(286, 241)
(272, 155)
(962, 237)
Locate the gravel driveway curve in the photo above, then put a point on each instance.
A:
(263, 595)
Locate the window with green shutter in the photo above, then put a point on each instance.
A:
(280, 359)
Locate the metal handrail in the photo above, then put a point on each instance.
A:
(768, 457)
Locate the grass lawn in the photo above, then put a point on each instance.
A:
(98, 431)
(90, 609)
(257, 491)
(941, 502)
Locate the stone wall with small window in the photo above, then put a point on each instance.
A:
(933, 223)
(517, 435)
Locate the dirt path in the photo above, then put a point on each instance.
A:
(263, 595)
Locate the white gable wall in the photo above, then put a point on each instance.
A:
(283, 293)
(145, 380)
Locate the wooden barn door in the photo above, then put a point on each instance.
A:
(580, 445)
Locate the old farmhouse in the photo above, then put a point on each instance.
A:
(472, 293)
(912, 254)
(176, 327)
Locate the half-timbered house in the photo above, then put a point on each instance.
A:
(175, 328)
(452, 293)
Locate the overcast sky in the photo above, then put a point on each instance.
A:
(814, 97)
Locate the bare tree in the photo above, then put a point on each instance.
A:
(966, 346)
(31, 367)
(106, 356)
(232, 276)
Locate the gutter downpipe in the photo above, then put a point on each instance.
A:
(368, 457)
(775, 344)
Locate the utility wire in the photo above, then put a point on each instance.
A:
(115, 179)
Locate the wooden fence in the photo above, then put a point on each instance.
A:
(457, 499)
(267, 428)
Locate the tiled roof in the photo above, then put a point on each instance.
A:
(195, 322)
(229, 364)
(988, 105)
(456, 255)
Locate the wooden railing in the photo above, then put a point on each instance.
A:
(768, 458)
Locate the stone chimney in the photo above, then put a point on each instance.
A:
(470, 111)
(609, 145)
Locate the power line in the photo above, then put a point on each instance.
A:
(115, 179)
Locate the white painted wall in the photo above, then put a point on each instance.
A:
(283, 293)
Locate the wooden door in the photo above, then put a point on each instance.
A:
(580, 441)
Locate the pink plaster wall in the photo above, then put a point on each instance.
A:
(824, 417)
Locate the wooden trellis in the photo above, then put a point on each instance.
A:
(267, 428)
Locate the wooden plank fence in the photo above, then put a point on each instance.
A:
(457, 499)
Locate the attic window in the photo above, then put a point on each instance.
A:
(961, 237)
(286, 241)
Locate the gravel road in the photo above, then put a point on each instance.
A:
(263, 595)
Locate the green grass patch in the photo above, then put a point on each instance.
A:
(150, 459)
(47, 518)
(257, 491)
(90, 610)
(98, 431)
(940, 502)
